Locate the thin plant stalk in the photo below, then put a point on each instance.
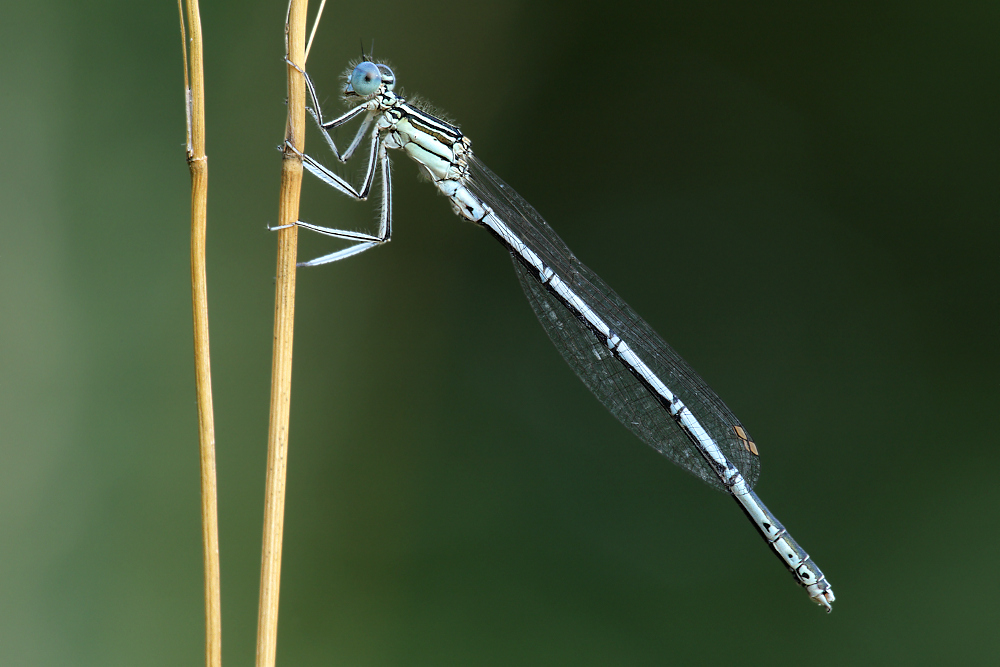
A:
(312, 33)
(194, 90)
(281, 364)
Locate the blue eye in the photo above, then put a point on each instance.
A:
(388, 78)
(365, 79)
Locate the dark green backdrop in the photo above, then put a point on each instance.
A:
(801, 197)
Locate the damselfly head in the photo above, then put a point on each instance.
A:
(367, 79)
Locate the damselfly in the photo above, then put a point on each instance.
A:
(637, 376)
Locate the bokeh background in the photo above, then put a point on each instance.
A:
(801, 197)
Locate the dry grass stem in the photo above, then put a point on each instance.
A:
(312, 33)
(281, 365)
(194, 89)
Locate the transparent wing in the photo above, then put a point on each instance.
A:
(622, 393)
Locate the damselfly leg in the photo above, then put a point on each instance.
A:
(378, 158)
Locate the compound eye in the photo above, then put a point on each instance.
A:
(388, 78)
(365, 79)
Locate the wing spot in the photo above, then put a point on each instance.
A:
(747, 442)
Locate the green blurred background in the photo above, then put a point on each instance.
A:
(801, 197)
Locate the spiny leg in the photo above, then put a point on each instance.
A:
(365, 241)
(336, 181)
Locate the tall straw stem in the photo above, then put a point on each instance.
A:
(194, 92)
(284, 319)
